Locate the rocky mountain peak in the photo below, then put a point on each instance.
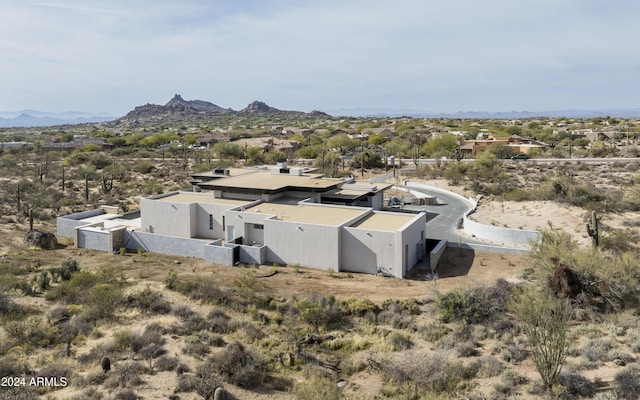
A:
(257, 107)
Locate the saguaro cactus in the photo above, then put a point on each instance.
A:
(86, 188)
(593, 229)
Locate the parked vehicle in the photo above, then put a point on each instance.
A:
(520, 156)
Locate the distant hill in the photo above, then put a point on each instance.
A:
(179, 109)
(33, 118)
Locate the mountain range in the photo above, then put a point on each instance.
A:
(178, 109)
(29, 118)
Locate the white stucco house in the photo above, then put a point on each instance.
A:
(263, 216)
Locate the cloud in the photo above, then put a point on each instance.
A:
(433, 55)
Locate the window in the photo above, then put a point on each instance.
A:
(258, 226)
(210, 222)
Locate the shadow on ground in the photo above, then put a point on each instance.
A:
(453, 263)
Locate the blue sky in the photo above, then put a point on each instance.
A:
(414, 55)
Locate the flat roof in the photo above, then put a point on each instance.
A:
(313, 214)
(232, 172)
(184, 197)
(384, 221)
(264, 180)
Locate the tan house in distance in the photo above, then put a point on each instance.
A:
(517, 143)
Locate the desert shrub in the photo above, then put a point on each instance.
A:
(320, 312)
(503, 325)
(55, 370)
(170, 280)
(410, 305)
(33, 331)
(18, 393)
(489, 366)
(125, 394)
(422, 373)
(196, 348)
(513, 353)
(195, 323)
(89, 394)
(250, 330)
(89, 379)
(576, 385)
(596, 350)
(96, 353)
(205, 289)
(144, 167)
(600, 289)
(475, 305)
(146, 339)
(167, 363)
(358, 307)
(396, 341)
(182, 311)
(238, 365)
(103, 300)
(434, 332)
(218, 321)
(11, 365)
(511, 378)
(317, 387)
(204, 382)
(126, 375)
(466, 349)
(9, 310)
(627, 383)
(150, 301)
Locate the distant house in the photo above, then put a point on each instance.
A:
(269, 143)
(517, 143)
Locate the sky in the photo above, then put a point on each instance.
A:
(412, 55)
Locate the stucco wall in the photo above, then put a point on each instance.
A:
(316, 246)
(413, 235)
(162, 244)
(253, 254)
(65, 226)
(168, 218)
(203, 210)
(508, 236)
(368, 251)
(215, 253)
(94, 239)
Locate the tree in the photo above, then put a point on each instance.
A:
(441, 144)
(342, 142)
(545, 320)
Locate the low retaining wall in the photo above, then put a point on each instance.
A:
(506, 236)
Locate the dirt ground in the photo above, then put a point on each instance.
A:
(457, 269)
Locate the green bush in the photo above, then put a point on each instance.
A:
(356, 306)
